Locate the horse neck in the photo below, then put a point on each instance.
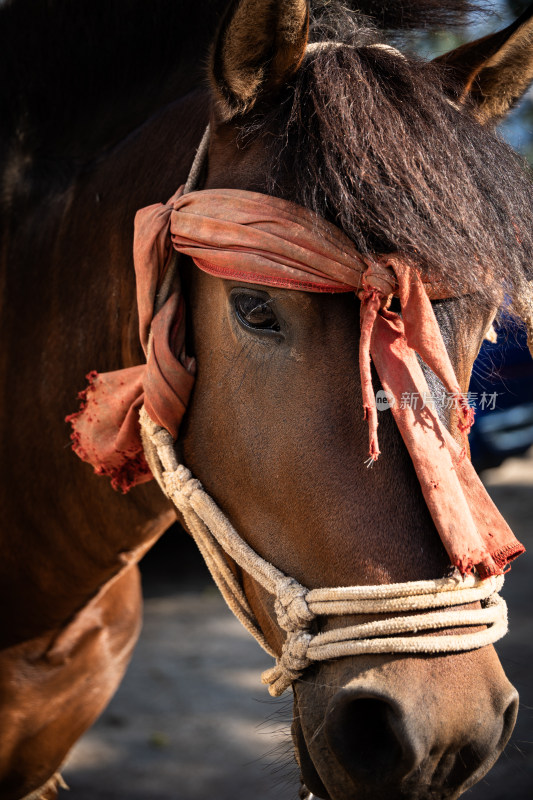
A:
(68, 307)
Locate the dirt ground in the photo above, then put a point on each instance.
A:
(191, 720)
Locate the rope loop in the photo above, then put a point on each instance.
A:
(291, 607)
(296, 606)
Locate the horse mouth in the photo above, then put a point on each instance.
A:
(309, 775)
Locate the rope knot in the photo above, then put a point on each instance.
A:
(290, 665)
(181, 482)
(191, 486)
(294, 653)
(291, 607)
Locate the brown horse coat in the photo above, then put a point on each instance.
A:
(75, 170)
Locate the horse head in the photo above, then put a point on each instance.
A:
(387, 167)
(398, 154)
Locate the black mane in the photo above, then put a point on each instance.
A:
(401, 169)
(78, 75)
(409, 14)
(371, 142)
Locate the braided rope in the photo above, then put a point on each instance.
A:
(297, 607)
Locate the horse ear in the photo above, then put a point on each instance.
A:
(495, 71)
(259, 46)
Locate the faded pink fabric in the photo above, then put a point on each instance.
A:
(259, 239)
(106, 431)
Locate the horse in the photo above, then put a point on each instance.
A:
(400, 156)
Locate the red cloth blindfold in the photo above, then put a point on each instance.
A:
(260, 239)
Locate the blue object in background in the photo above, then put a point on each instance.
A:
(501, 390)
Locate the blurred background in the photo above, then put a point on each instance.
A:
(191, 720)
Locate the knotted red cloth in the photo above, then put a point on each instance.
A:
(259, 239)
(106, 430)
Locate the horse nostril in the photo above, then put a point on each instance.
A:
(389, 755)
(460, 768)
(367, 737)
(467, 766)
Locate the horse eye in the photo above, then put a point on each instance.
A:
(255, 312)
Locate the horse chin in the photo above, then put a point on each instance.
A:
(310, 777)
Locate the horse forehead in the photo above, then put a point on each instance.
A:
(233, 164)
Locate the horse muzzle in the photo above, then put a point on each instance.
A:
(391, 736)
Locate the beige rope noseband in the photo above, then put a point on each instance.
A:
(297, 607)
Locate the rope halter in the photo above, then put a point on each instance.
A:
(297, 608)
(266, 240)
